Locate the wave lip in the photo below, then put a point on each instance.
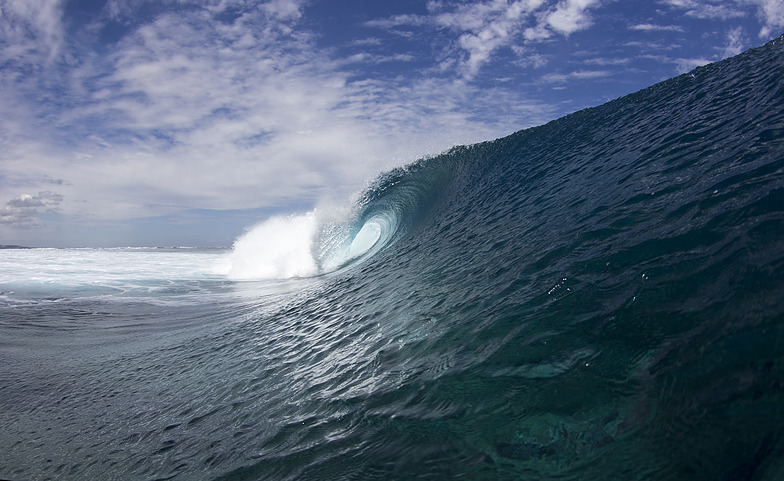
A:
(330, 238)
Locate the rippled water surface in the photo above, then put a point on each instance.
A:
(600, 297)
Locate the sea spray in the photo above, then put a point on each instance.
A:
(278, 248)
(306, 245)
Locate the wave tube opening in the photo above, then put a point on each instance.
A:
(306, 245)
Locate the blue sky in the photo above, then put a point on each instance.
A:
(182, 122)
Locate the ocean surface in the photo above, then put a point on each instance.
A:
(597, 298)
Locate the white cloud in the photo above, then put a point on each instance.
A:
(734, 43)
(232, 104)
(684, 65)
(772, 14)
(607, 61)
(188, 112)
(22, 211)
(366, 58)
(570, 16)
(486, 27)
(32, 30)
(528, 58)
(647, 27)
(579, 74)
(708, 9)
(283, 9)
(398, 21)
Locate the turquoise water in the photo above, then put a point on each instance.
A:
(599, 297)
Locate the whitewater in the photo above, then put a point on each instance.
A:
(599, 297)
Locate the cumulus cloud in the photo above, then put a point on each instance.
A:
(22, 211)
(570, 16)
(283, 9)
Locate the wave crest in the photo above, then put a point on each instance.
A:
(307, 245)
(330, 238)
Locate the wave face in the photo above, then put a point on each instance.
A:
(600, 297)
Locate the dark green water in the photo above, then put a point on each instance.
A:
(600, 297)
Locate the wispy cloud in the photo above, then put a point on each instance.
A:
(708, 9)
(579, 74)
(607, 61)
(684, 65)
(772, 14)
(484, 28)
(32, 30)
(648, 27)
(399, 21)
(191, 111)
(734, 42)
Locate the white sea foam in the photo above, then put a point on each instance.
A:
(279, 248)
(91, 266)
(121, 272)
(303, 245)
